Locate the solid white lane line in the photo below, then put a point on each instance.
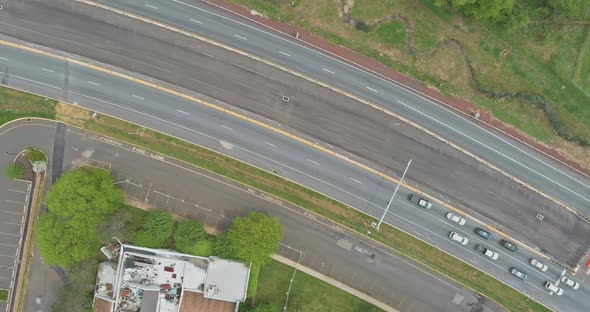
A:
(93, 83)
(182, 112)
(270, 144)
(137, 96)
(226, 127)
(3, 58)
(372, 89)
(151, 6)
(198, 22)
(31, 80)
(497, 152)
(357, 181)
(287, 54)
(243, 38)
(313, 162)
(331, 72)
(48, 70)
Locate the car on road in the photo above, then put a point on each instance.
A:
(518, 273)
(553, 289)
(487, 252)
(420, 201)
(538, 265)
(455, 218)
(508, 245)
(483, 233)
(458, 238)
(570, 282)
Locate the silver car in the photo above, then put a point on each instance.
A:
(455, 218)
(538, 265)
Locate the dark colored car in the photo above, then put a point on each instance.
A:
(483, 233)
(508, 245)
(518, 274)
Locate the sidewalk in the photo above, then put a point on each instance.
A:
(334, 282)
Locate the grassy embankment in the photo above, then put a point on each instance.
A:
(275, 185)
(552, 60)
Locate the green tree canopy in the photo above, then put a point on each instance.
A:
(156, 230)
(65, 244)
(88, 193)
(187, 235)
(76, 203)
(570, 8)
(253, 238)
(495, 10)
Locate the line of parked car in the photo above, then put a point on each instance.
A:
(460, 239)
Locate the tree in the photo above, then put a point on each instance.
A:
(76, 203)
(65, 244)
(187, 235)
(570, 8)
(86, 192)
(156, 230)
(254, 238)
(495, 10)
(203, 248)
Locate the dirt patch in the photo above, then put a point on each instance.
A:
(23, 161)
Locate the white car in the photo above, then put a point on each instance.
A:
(553, 289)
(538, 264)
(458, 238)
(455, 218)
(570, 282)
(492, 254)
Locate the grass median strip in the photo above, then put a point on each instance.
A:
(304, 197)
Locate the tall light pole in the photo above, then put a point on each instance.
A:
(392, 196)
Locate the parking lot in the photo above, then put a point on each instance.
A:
(14, 197)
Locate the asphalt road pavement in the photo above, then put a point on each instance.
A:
(331, 250)
(338, 122)
(338, 178)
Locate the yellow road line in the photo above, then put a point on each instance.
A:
(282, 132)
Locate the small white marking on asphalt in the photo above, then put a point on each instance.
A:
(287, 54)
(312, 161)
(151, 6)
(49, 70)
(331, 72)
(182, 112)
(17, 191)
(357, 181)
(243, 38)
(93, 83)
(198, 22)
(3, 58)
(137, 96)
(16, 202)
(270, 144)
(226, 127)
(372, 89)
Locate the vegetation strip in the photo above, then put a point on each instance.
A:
(301, 196)
(306, 198)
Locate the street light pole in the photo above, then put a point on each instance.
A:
(392, 196)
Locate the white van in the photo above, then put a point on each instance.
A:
(553, 289)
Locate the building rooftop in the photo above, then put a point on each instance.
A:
(156, 280)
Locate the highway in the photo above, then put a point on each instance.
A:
(334, 121)
(339, 179)
(553, 178)
(386, 276)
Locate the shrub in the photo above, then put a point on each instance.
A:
(15, 171)
(35, 154)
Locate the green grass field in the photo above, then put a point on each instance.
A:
(4, 295)
(308, 294)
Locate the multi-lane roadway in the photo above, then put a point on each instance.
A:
(234, 137)
(333, 120)
(140, 104)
